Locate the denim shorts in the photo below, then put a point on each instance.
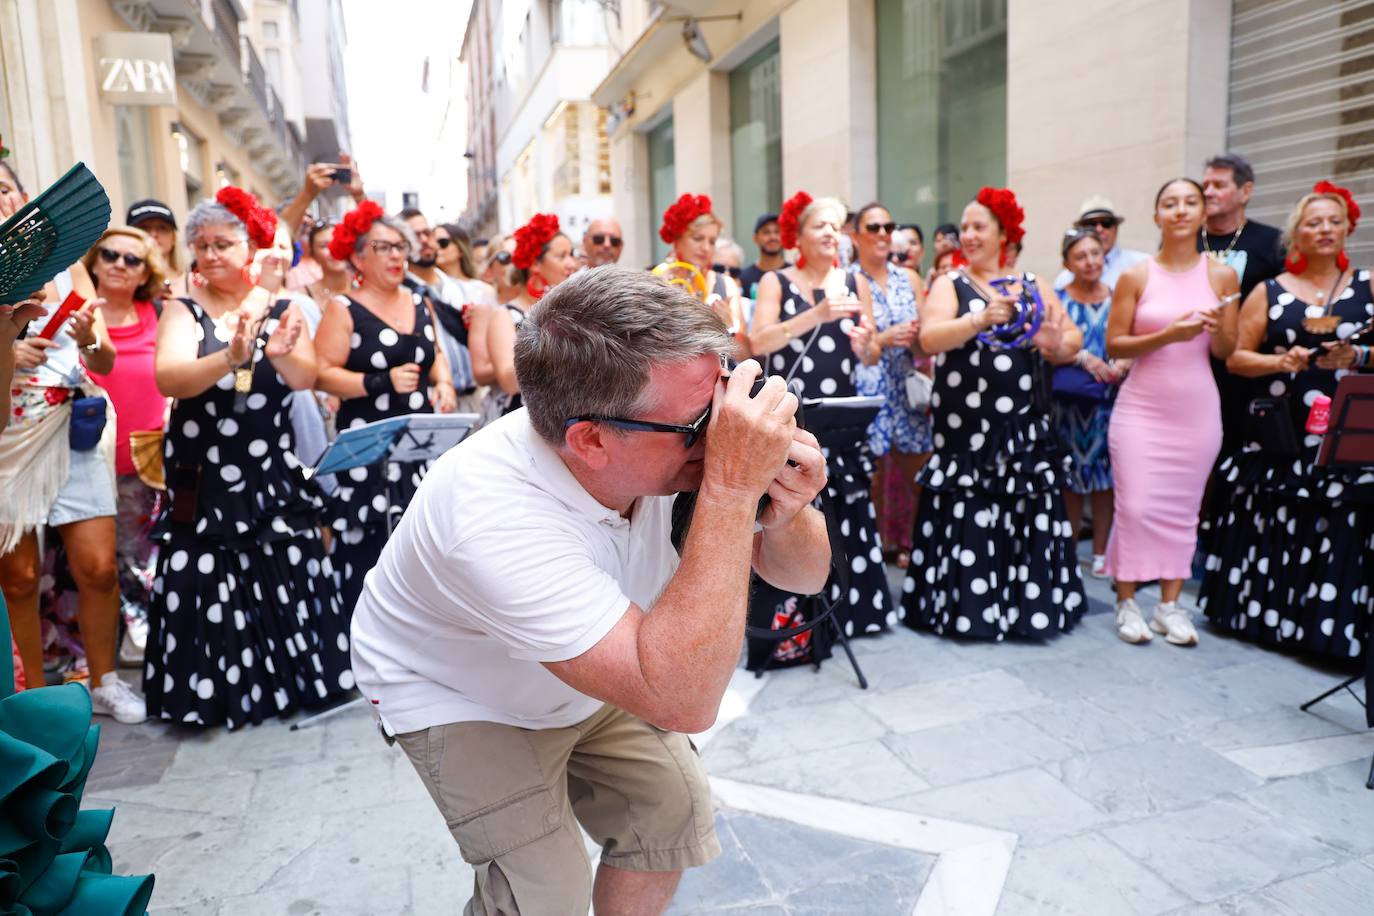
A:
(89, 491)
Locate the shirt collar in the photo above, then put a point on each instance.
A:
(551, 475)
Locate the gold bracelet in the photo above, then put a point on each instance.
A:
(782, 325)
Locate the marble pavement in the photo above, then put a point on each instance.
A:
(1081, 776)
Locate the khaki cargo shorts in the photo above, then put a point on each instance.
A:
(514, 797)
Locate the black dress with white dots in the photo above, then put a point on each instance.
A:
(825, 370)
(1290, 546)
(358, 511)
(246, 621)
(992, 553)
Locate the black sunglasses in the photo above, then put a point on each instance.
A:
(692, 432)
(1105, 222)
(614, 241)
(501, 257)
(131, 261)
(874, 228)
(734, 272)
(443, 242)
(900, 257)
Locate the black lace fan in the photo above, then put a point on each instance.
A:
(49, 233)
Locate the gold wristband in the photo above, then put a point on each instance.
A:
(787, 332)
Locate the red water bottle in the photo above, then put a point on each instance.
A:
(1319, 417)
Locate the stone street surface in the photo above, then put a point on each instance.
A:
(1082, 776)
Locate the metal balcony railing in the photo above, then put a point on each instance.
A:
(226, 25)
(254, 75)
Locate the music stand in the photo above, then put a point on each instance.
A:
(1349, 442)
(394, 440)
(836, 423)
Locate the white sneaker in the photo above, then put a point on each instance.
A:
(115, 698)
(1099, 567)
(1130, 623)
(1174, 623)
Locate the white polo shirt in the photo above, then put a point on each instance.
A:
(501, 562)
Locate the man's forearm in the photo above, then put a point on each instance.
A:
(689, 643)
(795, 557)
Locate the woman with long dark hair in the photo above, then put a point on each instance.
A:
(1168, 314)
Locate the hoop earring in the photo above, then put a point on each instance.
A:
(197, 280)
(535, 292)
(1297, 263)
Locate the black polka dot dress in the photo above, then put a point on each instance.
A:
(992, 552)
(1290, 546)
(358, 511)
(245, 622)
(825, 370)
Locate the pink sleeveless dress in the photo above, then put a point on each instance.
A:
(1164, 436)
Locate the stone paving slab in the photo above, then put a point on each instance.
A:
(1120, 779)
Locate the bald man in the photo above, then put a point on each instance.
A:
(603, 241)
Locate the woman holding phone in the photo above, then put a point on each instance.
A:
(1168, 314)
(813, 325)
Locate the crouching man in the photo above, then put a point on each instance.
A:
(530, 636)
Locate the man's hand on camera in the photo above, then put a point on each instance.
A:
(750, 438)
(798, 483)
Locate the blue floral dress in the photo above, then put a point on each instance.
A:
(1082, 427)
(896, 425)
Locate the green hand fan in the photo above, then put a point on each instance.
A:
(51, 232)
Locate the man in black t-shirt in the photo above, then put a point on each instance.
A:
(768, 238)
(1252, 250)
(1250, 247)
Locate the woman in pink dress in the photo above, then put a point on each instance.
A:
(1167, 314)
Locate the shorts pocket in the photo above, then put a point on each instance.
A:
(507, 825)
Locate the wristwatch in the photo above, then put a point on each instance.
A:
(93, 346)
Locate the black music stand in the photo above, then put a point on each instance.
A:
(387, 442)
(1349, 442)
(836, 423)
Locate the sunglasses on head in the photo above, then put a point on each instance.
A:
(875, 228)
(599, 238)
(734, 272)
(131, 261)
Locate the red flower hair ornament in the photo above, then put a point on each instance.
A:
(531, 238)
(355, 224)
(260, 221)
(789, 220)
(1297, 262)
(1001, 202)
(682, 214)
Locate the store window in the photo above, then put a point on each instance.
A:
(662, 182)
(755, 140)
(191, 150)
(942, 105)
(1302, 117)
(135, 153)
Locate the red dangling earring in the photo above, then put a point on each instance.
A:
(1342, 262)
(1297, 263)
(1002, 256)
(801, 262)
(197, 280)
(535, 292)
(836, 262)
(250, 274)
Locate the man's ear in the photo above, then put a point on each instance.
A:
(584, 440)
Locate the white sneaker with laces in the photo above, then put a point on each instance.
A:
(1130, 623)
(1174, 623)
(1099, 567)
(115, 698)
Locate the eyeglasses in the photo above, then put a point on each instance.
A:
(443, 242)
(692, 431)
(875, 228)
(382, 249)
(599, 238)
(131, 261)
(218, 246)
(734, 272)
(1101, 222)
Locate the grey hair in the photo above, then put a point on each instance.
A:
(210, 213)
(724, 244)
(391, 222)
(589, 346)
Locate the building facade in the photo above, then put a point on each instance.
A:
(168, 99)
(536, 141)
(919, 103)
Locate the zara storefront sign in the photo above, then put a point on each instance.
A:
(136, 68)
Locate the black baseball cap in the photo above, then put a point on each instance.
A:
(149, 209)
(765, 220)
